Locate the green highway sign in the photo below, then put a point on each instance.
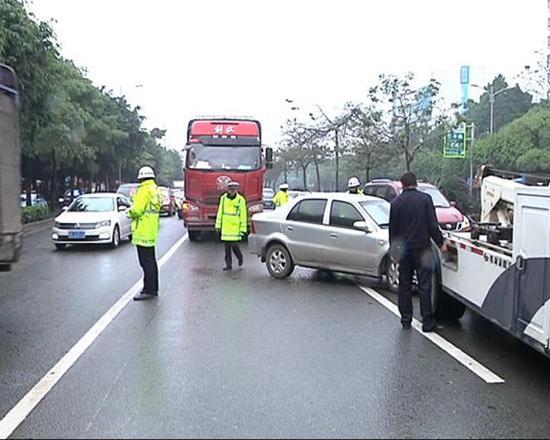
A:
(455, 144)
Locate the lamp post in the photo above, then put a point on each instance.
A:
(492, 95)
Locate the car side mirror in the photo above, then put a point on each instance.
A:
(362, 226)
(453, 203)
(122, 208)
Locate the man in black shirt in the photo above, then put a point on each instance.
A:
(413, 224)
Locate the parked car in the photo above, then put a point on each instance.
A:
(179, 198)
(268, 195)
(333, 231)
(128, 190)
(168, 201)
(93, 218)
(68, 196)
(448, 216)
(36, 200)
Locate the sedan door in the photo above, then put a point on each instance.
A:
(348, 248)
(305, 231)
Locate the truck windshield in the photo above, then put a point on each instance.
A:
(232, 158)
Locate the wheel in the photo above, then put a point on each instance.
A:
(194, 235)
(279, 262)
(115, 241)
(392, 275)
(60, 246)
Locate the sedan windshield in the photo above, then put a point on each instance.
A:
(93, 204)
(378, 210)
(438, 199)
(233, 158)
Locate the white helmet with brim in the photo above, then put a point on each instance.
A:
(146, 173)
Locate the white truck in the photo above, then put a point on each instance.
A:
(11, 227)
(502, 269)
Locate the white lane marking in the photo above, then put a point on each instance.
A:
(23, 408)
(453, 351)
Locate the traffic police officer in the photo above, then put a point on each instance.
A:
(145, 213)
(232, 223)
(353, 186)
(281, 198)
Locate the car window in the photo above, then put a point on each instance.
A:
(390, 194)
(122, 201)
(381, 191)
(309, 211)
(378, 210)
(370, 190)
(344, 215)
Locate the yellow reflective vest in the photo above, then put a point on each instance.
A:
(281, 198)
(359, 192)
(232, 218)
(145, 214)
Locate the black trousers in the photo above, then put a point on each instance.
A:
(421, 261)
(232, 246)
(148, 263)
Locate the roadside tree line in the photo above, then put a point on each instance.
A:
(73, 133)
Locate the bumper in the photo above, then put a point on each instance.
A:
(91, 236)
(255, 245)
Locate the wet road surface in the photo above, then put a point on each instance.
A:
(243, 355)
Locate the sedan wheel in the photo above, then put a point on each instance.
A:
(392, 275)
(279, 262)
(116, 238)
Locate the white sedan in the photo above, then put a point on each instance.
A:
(99, 218)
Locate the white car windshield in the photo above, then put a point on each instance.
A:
(93, 204)
(378, 210)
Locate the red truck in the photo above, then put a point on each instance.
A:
(219, 151)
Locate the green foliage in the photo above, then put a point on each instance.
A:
(70, 128)
(35, 213)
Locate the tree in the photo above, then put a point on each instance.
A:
(508, 105)
(412, 120)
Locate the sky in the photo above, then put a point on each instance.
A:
(245, 57)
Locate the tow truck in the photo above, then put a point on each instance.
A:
(501, 269)
(11, 228)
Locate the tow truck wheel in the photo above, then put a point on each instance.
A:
(278, 261)
(193, 235)
(444, 305)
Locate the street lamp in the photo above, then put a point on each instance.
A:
(492, 95)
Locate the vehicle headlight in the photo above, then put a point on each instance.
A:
(103, 223)
(189, 207)
(466, 225)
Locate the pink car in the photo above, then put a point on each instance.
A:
(448, 217)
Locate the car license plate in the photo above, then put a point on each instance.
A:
(77, 234)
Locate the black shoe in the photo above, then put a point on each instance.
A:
(143, 296)
(227, 268)
(432, 329)
(406, 325)
(241, 263)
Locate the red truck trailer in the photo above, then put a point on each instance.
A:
(219, 151)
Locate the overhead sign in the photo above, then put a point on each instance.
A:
(455, 143)
(465, 86)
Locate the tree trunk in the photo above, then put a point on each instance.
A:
(316, 161)
(285, 172)
(304, 176)
(337, 157)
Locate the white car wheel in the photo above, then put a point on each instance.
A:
(392, 275)
(116, 237)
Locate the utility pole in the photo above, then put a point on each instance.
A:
(491, 106)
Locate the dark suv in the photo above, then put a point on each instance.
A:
(448, 217)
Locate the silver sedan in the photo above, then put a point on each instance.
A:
(333, 231)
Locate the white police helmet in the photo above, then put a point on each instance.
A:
(146, 173)
(353, 182)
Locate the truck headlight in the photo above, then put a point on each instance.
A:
(103, 223)
(189, 207)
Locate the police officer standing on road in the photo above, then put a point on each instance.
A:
(353, 186)
(145, 215)
(412, 224)
(232, 223)
(282, 196)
